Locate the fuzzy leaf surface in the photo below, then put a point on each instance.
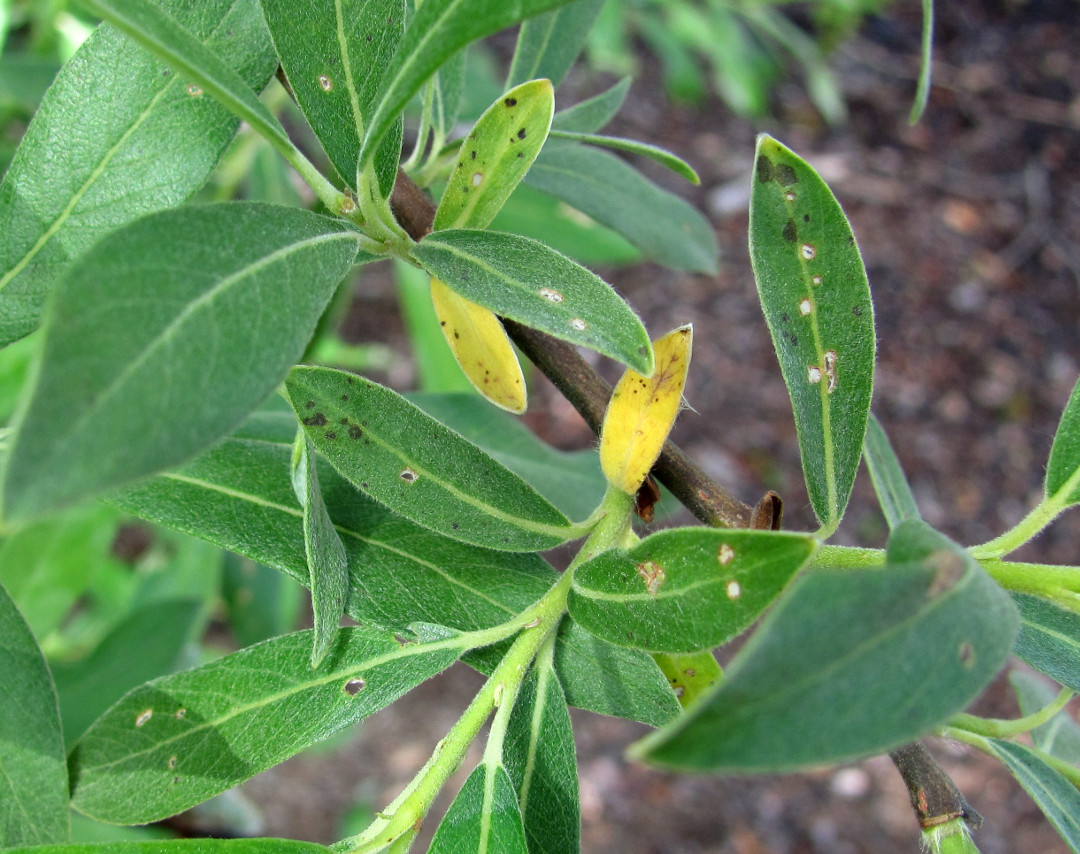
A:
(663, 226)
(1063, 468)
(179, 740)
(809, 686)
(548, 44)
(495, 156)
(541, 760)
(1058, 799)
(533, 284)
(131, 139)
(239, 496)
(572, 481)
(484, 817)
(328, 564)
(438, 30)
(405, 459)
(1049, 639)
(686, 589)
(33, 768)
(225, 296)
(890, 483)
(328, 49)
(813, 289)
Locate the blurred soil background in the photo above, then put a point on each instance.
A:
(969, 224)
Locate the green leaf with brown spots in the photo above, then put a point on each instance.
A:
(851, 663)
(34, 805)
(531, 283)
(438, 30)
(816, 298)
(687, 589)
(691, 674)
(408, 461)
(327, 561)
(328, 49)
(495, 156)
(179, 740)
(161, 340)
(131, 139)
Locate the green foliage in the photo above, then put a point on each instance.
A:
(168, 327)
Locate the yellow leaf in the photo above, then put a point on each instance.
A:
(642, 411)
(479, 343)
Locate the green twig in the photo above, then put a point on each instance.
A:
(1001, 728)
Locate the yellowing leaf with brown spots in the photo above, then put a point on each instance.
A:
(479, 343)
(642, 411)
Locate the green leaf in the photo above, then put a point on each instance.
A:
(1063, 468)
(541, 760)
(46, 566)
(179, 740)
(661, 155)
(147, 644)
(184, 846)
(816, 298)
(156, 30)
(1055, 796)
(660, 224)
(439, 30)
(495, 156)
(1049, 639)
(328, 49)
(228, 294)
(922, 91)
(326, 558)
(131, 140)
(33, 809)
(572, 481)
(548, 44)
(850, 664)
(612, 680)
(686, 589)
(893, 491)
(592, 114)
(239, 496)
(1060, 736)
(484, 817)
(529, 282)
(408, 461)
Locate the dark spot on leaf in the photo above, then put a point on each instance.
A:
(790, 233)
(764, 169)
(455, 525)
(349, 380)
(355, 432)
(785, 317)
(363, 486)
(793, 339)
(510, 102)
(310, 404)
(316, 420)
(785, 176)
(354, 687)
(521, 133)
(521, 154)
(851, 241)
(967, 655)
(472, 154)
(344, 421)
(455, 334)
(806, 217)
(330, 434)
(856, 310)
